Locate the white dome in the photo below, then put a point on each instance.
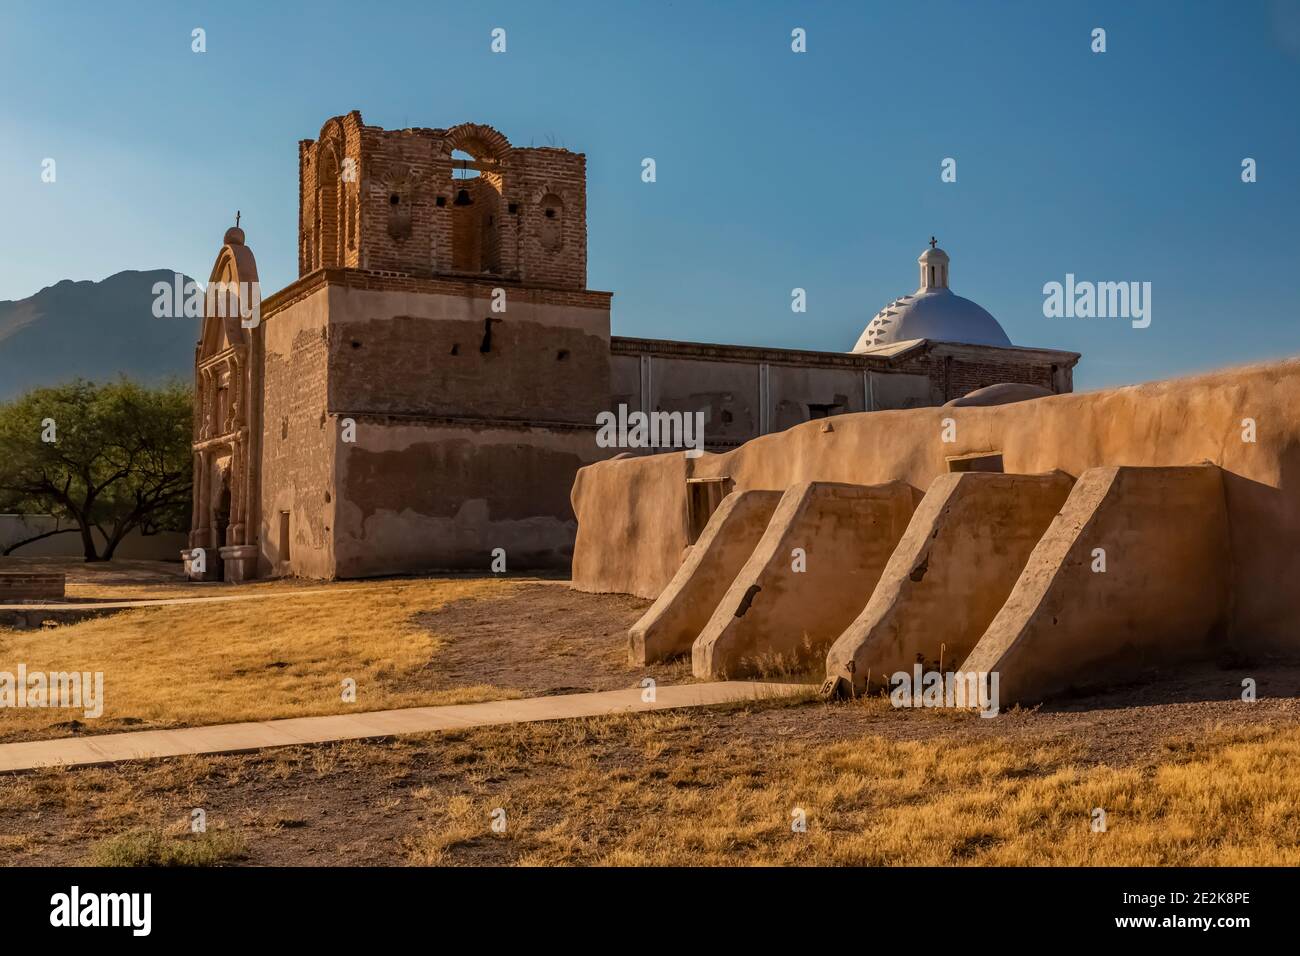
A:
(932, 312)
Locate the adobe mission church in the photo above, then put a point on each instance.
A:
(427, 389)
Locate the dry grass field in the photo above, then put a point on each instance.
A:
(286, 654)
(286, 651)
(1186, 772)
(713, 787)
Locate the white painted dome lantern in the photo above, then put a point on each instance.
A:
(932, 312)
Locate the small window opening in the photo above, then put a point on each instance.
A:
(703, 495)
(562, 355)
(980, 461)
(394, 199)
(455, 349)
(440, 201)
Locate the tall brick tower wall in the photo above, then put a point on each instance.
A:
(433, 377)
(441, 202)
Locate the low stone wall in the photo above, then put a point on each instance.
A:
(164, 546)
(16, 586)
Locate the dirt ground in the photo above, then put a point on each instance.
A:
(543, 639)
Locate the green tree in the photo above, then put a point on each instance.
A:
(109, 458)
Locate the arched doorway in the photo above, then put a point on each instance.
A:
(221, 521)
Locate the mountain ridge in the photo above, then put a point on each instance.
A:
(97, 330)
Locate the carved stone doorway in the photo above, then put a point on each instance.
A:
(221, 524)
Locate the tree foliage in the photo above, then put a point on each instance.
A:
(111, 458)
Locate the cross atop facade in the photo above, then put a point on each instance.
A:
(237, 220)
(933, 242)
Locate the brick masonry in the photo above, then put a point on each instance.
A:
(395, 201)
(31, 586)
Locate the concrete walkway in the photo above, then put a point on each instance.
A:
(237, 738)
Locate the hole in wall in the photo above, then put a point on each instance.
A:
(394, 199)
(440, 201)
(455, 349)
(561, 355)
(486, 345)
(747, 600)
(980, 461)
(823, 410)
(356, 344)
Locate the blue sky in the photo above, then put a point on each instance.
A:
(775, 170)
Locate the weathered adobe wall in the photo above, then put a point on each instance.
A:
(960, 557)
(431, 354)
(726, 392)
(419, 495)
(672, 623)
(784, 615)
(298, 440)
(628, 542)
(1161, 599)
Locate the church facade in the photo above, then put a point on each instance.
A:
(422, 396)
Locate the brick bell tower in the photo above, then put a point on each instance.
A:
(441, 202)
(433, 376)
